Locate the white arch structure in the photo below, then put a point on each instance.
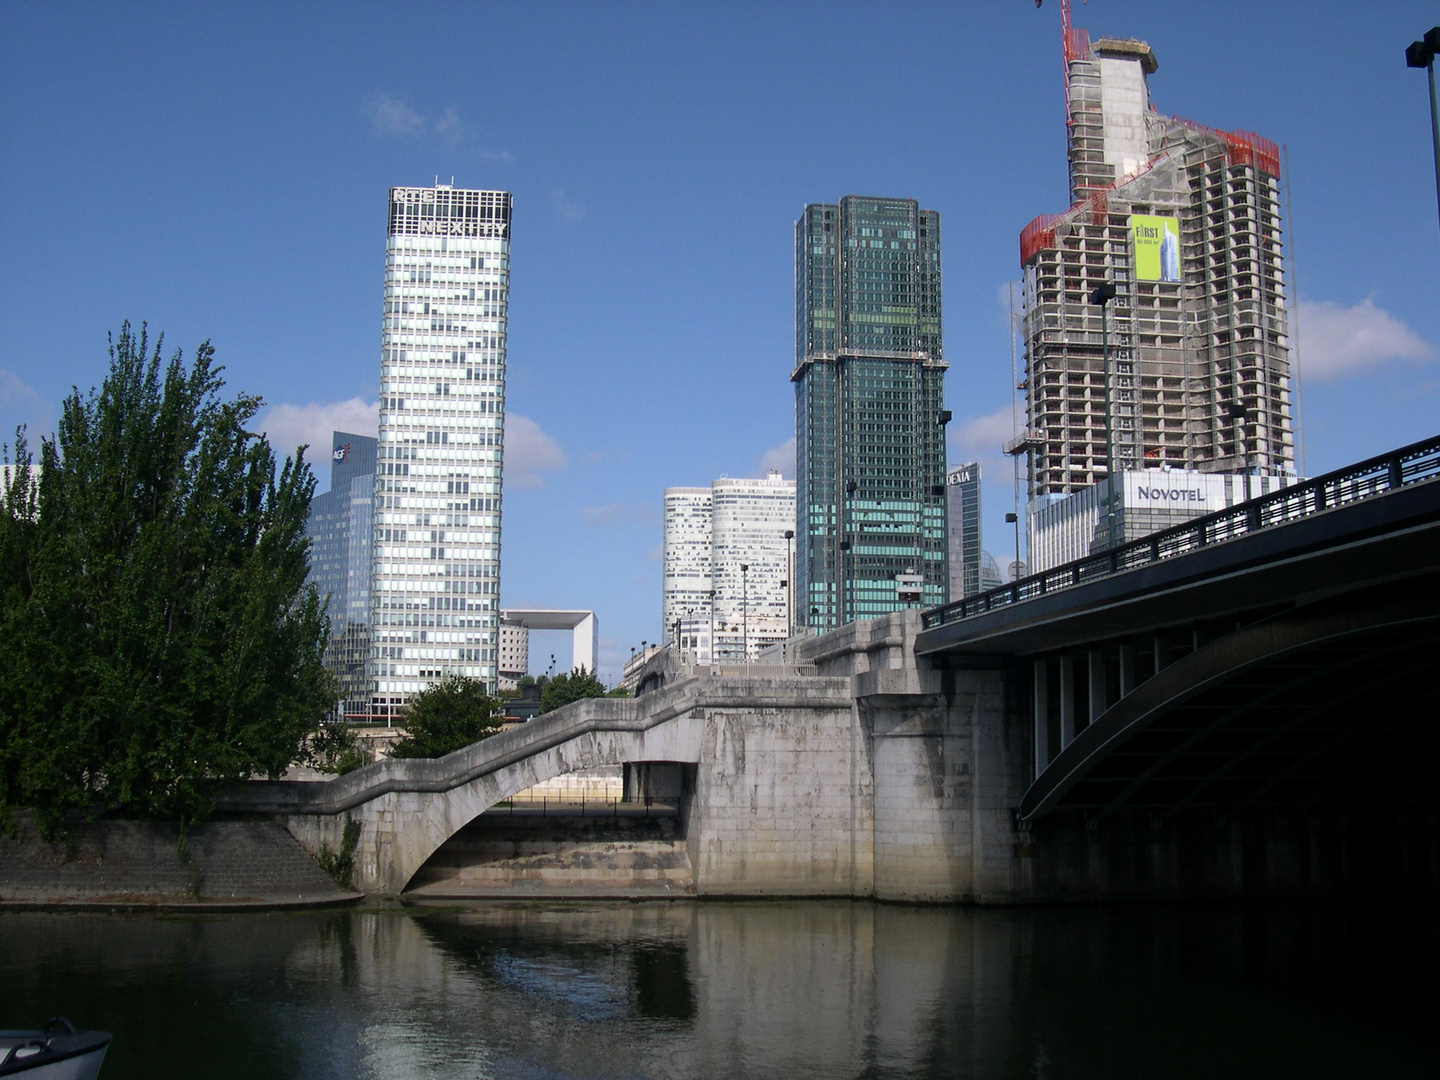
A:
(584, 628)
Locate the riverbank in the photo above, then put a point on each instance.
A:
(116, 863)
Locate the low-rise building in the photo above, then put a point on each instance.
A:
(1149, 500)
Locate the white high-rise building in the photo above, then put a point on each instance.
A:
(728, 564)
(687, 583)
(442, 432)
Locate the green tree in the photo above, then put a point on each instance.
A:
(161, 635)
(572, 686)
(447, 716)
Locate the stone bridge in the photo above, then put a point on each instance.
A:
(846, 772)
(1246, 704)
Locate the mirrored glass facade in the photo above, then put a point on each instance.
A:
(869, 441)
(442, 430)
(340, 532)
(963, 523)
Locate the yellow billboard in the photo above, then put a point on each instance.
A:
(1157, 247)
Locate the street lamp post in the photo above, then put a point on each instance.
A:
(789, 583)
(1102, 295)
(1422, 54)
(745, 611)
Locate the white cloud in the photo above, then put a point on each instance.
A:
(449, 126)
(497, 155)
(19, 404)
(780, 458)
(565, 209)
(393, 116)
(983, 436)
(618, 514)
(529, 452)
(657, 553)
(1338, 341)
(1002, 299)
(288, 426)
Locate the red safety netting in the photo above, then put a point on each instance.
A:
(1242, 147)
(1039, 234)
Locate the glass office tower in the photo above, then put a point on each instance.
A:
(962, 511)
(341, 560)
(442, 432)
(869, 422)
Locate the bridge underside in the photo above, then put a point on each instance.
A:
(1336, 714)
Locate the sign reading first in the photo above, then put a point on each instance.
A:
(1156, 243)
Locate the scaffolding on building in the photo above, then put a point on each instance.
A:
(1199, 367)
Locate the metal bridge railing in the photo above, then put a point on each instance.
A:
(1411, 464)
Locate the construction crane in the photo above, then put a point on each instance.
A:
(1075, 44)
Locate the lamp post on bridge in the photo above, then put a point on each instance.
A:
(789, 583)
(745, 612)
(1421, 54)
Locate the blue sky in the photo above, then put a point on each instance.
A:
(221, 171)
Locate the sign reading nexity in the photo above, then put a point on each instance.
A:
(1157, 247)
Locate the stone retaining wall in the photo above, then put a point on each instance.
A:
(139, 862)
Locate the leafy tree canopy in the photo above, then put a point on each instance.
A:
(572, 686)
(160, 635)
(446, 717)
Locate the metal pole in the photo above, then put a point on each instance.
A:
(1434, 128)
(744, 612)
(789, 583)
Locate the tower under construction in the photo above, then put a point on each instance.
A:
(1183, 221)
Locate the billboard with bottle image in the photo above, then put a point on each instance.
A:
(1157, 247)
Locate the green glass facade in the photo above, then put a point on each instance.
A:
(869, 395)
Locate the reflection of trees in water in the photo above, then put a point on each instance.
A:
(184, 996)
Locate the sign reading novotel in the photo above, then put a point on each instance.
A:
(1165, 489)
(1156, 242)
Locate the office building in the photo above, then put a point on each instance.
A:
(869, 420)
(340, 532)
(962, 529)
(727, 566)
(1183, 222)
(686, 584)
(514, 653)
(442, 431)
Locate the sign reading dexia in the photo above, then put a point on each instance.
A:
(1156, 241)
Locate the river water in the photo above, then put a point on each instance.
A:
(793, 990)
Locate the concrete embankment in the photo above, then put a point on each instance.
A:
(122, 863)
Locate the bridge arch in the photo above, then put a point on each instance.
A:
(433, 818)
(1308, 710)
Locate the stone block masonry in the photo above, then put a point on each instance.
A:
(850, 771)
(113, 861)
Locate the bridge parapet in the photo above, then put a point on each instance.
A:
(1414, 464)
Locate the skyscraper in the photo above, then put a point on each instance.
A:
(686, 599)
(442, 433)
(1184, 222)
(340, 531)
(727, 574)
(962, 522)
(869, 422)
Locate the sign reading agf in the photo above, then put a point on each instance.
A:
(1157, 247)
